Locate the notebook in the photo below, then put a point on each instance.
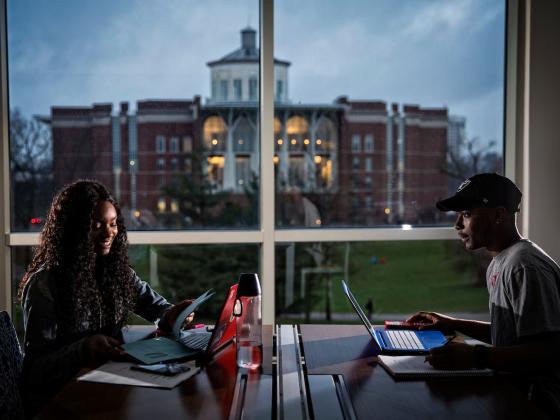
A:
(414, 367)
(397, 341)
(189, 344)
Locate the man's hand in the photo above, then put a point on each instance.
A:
(434, 321)
(167, 321)
(452, 356)
(99, 348)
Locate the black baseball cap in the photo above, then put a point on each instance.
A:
(483, 190)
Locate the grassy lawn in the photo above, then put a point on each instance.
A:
(416, 275)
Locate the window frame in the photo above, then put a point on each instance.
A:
(267, 235)
(356, 143)
(369, 142)
(237, 89)
(174, 144)
(160, 144)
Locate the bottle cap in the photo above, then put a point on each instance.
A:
(248, 285)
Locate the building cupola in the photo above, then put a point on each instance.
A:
(248, 39)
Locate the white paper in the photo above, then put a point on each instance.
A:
(415, 366)
(120, 373)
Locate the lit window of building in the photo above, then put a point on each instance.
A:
(174, 206)
(214, 133)
(160, 164)
(162, 205)
(297, 129)
(323, 172)
(215, 170)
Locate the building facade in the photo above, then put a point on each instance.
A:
(345, 163)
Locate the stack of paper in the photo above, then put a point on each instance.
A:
(410, 367)
(120, 373)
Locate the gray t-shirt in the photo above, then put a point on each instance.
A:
(524, 287)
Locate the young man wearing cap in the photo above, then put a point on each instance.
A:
(524, 287)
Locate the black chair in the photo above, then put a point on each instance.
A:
(11, 360)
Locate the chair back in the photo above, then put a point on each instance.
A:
(11, 360)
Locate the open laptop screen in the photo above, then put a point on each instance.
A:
(224, 329)
(356, 306)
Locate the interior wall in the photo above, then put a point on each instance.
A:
(542, 131)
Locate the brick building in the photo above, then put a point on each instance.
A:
(355, 162)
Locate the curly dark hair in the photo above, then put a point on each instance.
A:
(93, 293)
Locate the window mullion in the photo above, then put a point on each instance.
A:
(267, 154)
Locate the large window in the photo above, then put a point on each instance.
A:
(413, 89)
(326, 168)
(174, 271)
(390, 279)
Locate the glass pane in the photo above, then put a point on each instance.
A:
(390, 280)
(80, 81)
(176, 271)
(387, 106)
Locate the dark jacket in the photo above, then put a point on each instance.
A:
(51, 360)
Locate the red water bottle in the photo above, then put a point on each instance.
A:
(248, 321)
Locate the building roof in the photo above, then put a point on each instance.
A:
(248, 53)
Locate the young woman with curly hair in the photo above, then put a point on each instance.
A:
(79, 290)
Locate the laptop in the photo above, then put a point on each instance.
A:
(197, 343)
(398, 342)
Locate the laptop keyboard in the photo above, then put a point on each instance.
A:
(197, 341)
(403, 339)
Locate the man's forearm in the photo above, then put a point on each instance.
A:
(535, 356)
(478, 330)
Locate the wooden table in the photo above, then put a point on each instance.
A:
(217, 390)
(347, 350)
(310, 372)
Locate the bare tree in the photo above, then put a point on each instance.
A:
(470, 158)
(31, 167)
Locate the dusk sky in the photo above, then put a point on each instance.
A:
(431, 52)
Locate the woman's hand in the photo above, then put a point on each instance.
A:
(434, 321)
(168, 319)
(99, 348)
